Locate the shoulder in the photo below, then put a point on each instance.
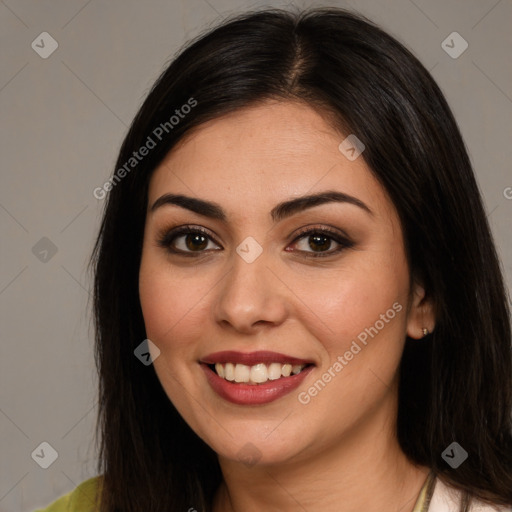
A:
(81, 499)
(447, 499)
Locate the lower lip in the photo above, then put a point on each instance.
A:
(254, 394)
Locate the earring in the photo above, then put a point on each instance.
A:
(425, 331)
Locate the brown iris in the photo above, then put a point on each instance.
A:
(319, 242)
(196, 241)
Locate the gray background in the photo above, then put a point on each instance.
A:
(63, 119)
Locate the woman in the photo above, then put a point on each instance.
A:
(295, 240)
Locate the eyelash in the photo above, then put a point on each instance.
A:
(165, 241)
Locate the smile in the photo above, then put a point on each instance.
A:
(254, 378)
(257, 374)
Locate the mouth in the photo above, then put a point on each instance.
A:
(254, 378)
(257, 374)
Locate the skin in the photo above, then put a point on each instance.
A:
(327, 454)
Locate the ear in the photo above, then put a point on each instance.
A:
(421, 313)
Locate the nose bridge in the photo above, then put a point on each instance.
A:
(250, 293)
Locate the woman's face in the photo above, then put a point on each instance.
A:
(255, 294)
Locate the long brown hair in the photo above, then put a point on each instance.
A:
(454, 386)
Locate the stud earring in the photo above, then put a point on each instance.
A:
(425, 331)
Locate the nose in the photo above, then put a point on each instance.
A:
(251, 296)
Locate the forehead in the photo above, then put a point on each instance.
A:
(258, 156)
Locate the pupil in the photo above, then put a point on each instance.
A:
(319, 242)
(200, 241)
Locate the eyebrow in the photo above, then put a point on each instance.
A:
(279, 212)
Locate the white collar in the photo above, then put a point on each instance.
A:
(447, 499)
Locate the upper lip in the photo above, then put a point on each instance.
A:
(252, 358)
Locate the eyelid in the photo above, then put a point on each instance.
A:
(321, 228)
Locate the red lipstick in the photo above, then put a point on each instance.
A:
(253, 394)
(252, 358)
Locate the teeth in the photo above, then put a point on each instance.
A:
(242, 373)
(296, 368)
(257, 374)
(220, 370)
(229, 371)
(286, 370)
(274, 371)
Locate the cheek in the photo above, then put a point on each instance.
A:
(355, 300)
(170, 305)
(365, 313)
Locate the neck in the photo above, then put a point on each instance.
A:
(366, 470)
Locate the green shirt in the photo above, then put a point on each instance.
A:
(423, 501)
(82, 499)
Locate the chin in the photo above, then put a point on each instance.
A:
(260, 448)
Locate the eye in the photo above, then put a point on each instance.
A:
(187, 240)
(316, 242)
(194, 241)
